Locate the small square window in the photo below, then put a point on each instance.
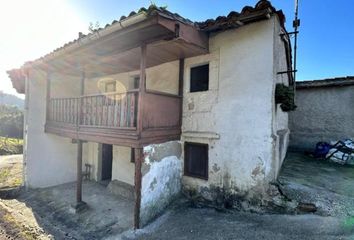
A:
(136, 80)
(110, 87)
(199, 78)
(196, 160)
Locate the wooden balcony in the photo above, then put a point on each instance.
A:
(112, 118)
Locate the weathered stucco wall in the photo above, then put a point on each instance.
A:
(161, 181)
(280, 126)
(236, 117)
(322, 114)
(122, 169)
(50, 160)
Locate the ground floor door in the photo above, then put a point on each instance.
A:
(107, 157)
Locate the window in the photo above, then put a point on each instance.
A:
(136, 80)
(110, 87)
(199, 78)
(196, 160)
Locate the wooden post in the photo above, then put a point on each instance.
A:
(79, 203)
(180, 88)
(142, 88)
(79, 173)
(139, 154)
(48, 97)
(82, 92)
(181, 77)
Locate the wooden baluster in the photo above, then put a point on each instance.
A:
(72, 101)
(115, 111)
(111, 111)
(106, 110)
(132, 109)
(119, 114)
(108, 102)
(97, 110)
(65, 109)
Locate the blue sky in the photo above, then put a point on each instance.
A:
(326, 46)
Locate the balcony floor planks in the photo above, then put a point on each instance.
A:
(117, 136)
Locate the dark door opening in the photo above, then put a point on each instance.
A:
(107, 157)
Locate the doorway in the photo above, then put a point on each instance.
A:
(107, 158)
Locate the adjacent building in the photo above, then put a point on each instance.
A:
(324, 112)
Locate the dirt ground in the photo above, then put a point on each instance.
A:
(329, 186)
(184, 223)
(17, 221)
(45, 213)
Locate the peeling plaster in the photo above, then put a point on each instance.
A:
(161, 181)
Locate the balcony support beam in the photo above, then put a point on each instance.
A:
(142, 88)
(180, 87)
(80, 205)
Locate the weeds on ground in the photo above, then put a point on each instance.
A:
(10, 146)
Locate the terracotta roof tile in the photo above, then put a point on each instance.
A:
(329, 82)
(233, 19)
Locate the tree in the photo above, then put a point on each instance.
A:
(11, 121)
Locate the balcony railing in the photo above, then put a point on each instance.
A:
(113, 110)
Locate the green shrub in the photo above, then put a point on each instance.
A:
(285, 96)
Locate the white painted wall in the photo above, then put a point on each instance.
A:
(280, 126)
(122, 169)
(235, 117)
(50, 160)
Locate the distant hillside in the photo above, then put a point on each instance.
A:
(9, 99)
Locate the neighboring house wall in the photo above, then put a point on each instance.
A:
(237, 116)
(322, 114)
(50, 159)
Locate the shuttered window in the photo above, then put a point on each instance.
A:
(196, 160)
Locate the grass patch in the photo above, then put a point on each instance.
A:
(17, 182)
(23, 231)
(4, 174)
(10, 146)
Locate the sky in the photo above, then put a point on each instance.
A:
(32, 28)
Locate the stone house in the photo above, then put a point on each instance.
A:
(157, 103)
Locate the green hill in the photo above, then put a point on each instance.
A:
(12, 100)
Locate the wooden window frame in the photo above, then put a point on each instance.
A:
(136, 80)
(106, 84)
(190, 77)
(186, 160)
(132, 155)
